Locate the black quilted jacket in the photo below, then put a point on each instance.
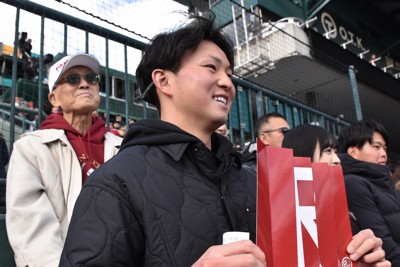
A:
(161, 201)
(374, 202)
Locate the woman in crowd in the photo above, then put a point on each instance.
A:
(321, 146)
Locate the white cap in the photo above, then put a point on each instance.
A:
(67, 62)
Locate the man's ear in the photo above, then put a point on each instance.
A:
(161, 81)
(53, 99)
(264, 138)
(353, 151)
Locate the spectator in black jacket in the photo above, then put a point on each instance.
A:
(176, 186)
(370, 191)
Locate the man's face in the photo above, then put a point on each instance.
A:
(201, 91)
(374, 152)
(81, 98)
(272, 133)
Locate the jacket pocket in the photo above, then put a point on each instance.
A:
(166, 243)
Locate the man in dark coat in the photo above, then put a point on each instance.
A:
(176, 186)
(370, 191)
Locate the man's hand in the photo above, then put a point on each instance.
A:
(240, 253)
(367, 249)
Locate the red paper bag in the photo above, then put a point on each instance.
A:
(341, 211)
(276, 208)
(325, 214)
(302, 215)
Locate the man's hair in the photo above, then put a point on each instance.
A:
(357, 134)
(303, 140)
(264, 120)
(167, 50)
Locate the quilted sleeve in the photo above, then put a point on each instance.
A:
(362, 204)
(103, 229)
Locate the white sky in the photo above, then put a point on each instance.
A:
(145, 17)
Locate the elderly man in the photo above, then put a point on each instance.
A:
(48, 167)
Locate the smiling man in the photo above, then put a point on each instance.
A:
(176, 186)
(370, 191)
(49, 166)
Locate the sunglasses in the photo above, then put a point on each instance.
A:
(282, 130)
(75, 78)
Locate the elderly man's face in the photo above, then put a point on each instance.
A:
(80, 98)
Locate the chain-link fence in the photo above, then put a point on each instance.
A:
(276, 69)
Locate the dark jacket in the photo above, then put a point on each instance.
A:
(163, 200)
(4, 157)
(374, 202)
(249, 154)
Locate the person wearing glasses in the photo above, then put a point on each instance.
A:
(371, 194)
(48, 166)
(270, 129)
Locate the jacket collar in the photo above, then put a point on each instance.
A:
(58, 134)
(52, 135)
(113, 140)
(373, 172)
(175, 151)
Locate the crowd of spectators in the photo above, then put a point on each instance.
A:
(372, 200)
(163, 192)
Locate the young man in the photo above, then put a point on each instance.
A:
(176, 186)
(370, 191)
